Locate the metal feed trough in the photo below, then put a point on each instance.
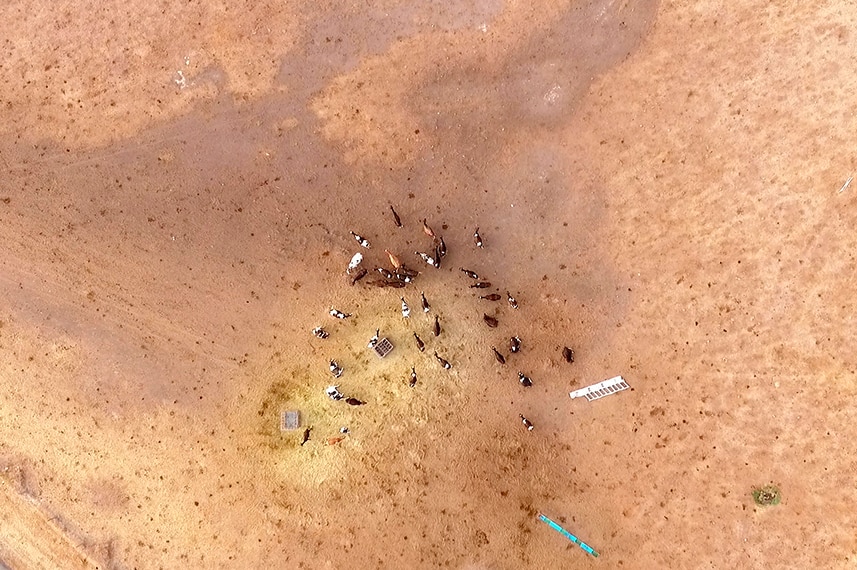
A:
(606, 388)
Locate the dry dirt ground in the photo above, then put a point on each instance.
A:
(656, 183)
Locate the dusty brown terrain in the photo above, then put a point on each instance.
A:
(657, 184)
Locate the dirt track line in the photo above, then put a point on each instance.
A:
(29, 540)
(59, 294)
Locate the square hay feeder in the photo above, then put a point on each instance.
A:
(290, 420)
(383, 347)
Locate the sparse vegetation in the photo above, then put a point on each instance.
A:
(767, 496)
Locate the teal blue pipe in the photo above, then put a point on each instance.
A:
(586, 548)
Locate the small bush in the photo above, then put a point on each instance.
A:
(767, 496)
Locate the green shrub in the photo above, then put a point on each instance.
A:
(767, 495)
